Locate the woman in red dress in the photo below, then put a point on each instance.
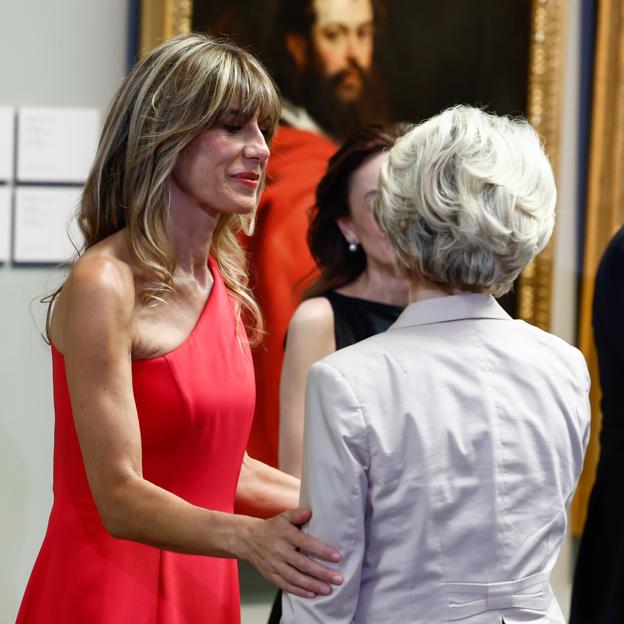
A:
(153, 381)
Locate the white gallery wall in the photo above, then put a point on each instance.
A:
(73, 53)
(62, 53)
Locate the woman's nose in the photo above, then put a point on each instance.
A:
(256, 146)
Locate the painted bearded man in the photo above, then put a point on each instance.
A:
(322, 60)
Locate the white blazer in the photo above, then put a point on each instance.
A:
(439, 458)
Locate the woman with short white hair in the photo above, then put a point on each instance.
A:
(440, 455)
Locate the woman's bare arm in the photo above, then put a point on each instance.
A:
(264, 491)
(310, 338)
(94, 319)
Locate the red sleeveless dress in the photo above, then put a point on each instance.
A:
(195, 407)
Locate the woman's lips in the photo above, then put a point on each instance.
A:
(248, 178)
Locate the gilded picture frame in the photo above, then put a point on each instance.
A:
(162, 19)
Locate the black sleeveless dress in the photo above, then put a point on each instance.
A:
(354, 319)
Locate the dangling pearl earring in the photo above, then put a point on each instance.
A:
(353, 247)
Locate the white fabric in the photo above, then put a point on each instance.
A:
(439, 459)
(299, 118)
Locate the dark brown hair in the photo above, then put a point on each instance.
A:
(338, 265)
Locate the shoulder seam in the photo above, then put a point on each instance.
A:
(358, 403)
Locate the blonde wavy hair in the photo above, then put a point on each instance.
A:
(467, 199)
(187, 85)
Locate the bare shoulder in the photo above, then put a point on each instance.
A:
(101, 281)
(313, 314)
(311, 329)
(98, 293)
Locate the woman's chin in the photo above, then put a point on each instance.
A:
(241, 208)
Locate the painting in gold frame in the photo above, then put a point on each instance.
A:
(546, 19)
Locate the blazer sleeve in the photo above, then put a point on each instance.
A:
(334, 486)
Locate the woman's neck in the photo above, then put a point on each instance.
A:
(421, 290)
(191, 237)
(384, 285)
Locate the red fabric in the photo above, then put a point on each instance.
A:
(279, 260)
(195, 407)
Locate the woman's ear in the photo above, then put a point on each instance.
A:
(346, 227)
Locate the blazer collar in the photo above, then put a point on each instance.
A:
(451, 308)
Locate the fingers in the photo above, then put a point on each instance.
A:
(297, 516)
(291, 589)
(313, 569)
(291, 577)
(316, 547)
(276, 555)
(310, 544)
(294, 561)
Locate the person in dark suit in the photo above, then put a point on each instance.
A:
(598, 589)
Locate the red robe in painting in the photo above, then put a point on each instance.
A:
(281, 265)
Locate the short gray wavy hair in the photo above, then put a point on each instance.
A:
(467, 199)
